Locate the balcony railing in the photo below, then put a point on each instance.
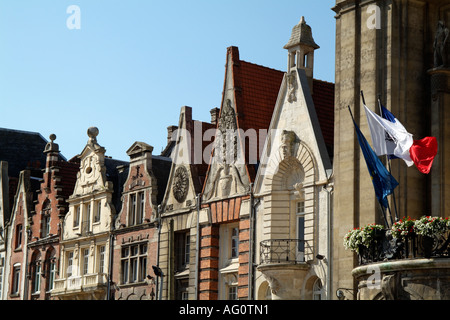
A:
(80, 282)
(385, 247)
(282, 251)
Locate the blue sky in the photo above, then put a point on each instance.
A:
(133, 64)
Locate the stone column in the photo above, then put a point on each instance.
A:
(440, 128)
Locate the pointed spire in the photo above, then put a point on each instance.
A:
(301, 35)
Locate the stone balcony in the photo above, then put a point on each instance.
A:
(89, 286)
(415, 268)
(282, 262)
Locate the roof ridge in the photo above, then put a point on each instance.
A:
(324, 81)
(24, 131)
(260, 65)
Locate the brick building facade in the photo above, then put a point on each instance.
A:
(180, 225)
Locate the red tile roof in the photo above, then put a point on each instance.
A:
(323, 97)
(256, 91)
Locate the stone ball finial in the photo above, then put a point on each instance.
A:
(92, 133)
(52, 137)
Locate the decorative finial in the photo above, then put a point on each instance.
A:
(92, 133)
(302, 20)
(51, 146)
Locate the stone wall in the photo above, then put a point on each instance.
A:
(419, 279)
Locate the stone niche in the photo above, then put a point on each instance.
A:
(416, 279)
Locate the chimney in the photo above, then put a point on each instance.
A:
(214, 115)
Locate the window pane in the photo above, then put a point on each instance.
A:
(142, 268)
(86, 261)
(70, 264)
(132, 217)
(37, 277)
(301, 233)
(232, 293)
(101, 268)
(134, 269)
(99, 210)
(187, 249)
(140, 216)
(51, 278)
(235, 243)
(125, 271)
(300, 207)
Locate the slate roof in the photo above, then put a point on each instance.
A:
(161, 169)
(117, 178)
(22, 150)
(200, 170)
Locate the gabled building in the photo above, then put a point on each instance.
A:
(178, 253)
(19, 150)
(292, 200)
(249, 97)
(136, 230)
(18, 236)
(46, 222)
(85, 258)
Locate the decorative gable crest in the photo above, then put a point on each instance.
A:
(92, 174)
(227, 174)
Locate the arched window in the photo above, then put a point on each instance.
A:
(318, 290)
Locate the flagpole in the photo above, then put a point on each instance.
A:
(389, 167)
(381, 206)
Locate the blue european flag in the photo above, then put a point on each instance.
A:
(383, 182)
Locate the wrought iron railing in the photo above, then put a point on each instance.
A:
(385, 247)
(282, 251)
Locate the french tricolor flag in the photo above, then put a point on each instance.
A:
(389, 137)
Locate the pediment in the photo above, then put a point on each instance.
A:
(138, 148)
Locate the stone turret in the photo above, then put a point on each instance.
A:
(301, 48)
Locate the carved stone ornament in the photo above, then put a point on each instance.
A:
(287, 143)
(292, 87)
(181, 184)
(440, 44)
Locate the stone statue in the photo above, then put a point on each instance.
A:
(439, 46)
